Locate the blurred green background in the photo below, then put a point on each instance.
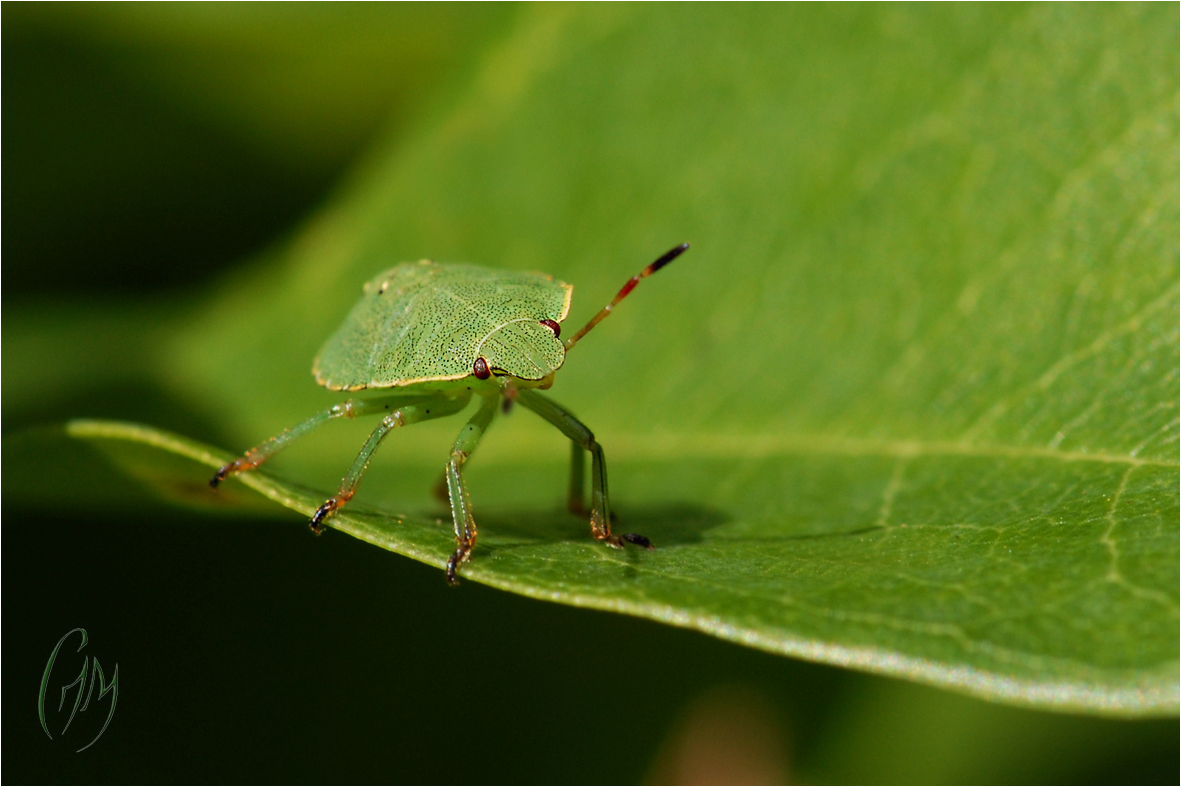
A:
(162, 159)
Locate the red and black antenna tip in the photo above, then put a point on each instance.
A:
(661, 261)
(665, 259)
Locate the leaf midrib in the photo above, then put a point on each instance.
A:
(726, 446)
(731, 446)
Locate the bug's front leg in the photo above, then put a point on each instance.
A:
(261, 453)
(585, 440)
(461, 506)
(397, 414)
(348, 409)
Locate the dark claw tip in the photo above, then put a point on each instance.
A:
(321, 512)
(452, 580)
(638, 540)
(218, 477)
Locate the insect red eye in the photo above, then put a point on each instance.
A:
(480, 369)
(553, 326)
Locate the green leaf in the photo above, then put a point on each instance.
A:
(928, 601)
(909, 404)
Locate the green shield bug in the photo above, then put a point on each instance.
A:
(436, 335)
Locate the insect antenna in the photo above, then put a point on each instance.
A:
(660, 262)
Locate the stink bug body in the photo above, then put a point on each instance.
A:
(433, 336)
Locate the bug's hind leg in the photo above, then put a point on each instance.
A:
(422, 410)
(575, 501)
(461, 506)
(584, 439)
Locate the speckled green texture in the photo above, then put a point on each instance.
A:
(428, 322)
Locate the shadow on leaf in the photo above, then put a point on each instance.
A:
(665, 524)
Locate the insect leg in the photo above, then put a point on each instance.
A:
(401, 415)
(348, 409)
(461, 506)
(575, 501)
(578, 432)
(259, 454)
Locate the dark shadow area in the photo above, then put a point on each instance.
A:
(93, 200)
(47, 468)
(666, 524)
(853, 531)
(38, 455)
(132, 401)
(252, 651)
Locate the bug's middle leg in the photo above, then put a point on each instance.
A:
(461, 506)
(406, 414)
